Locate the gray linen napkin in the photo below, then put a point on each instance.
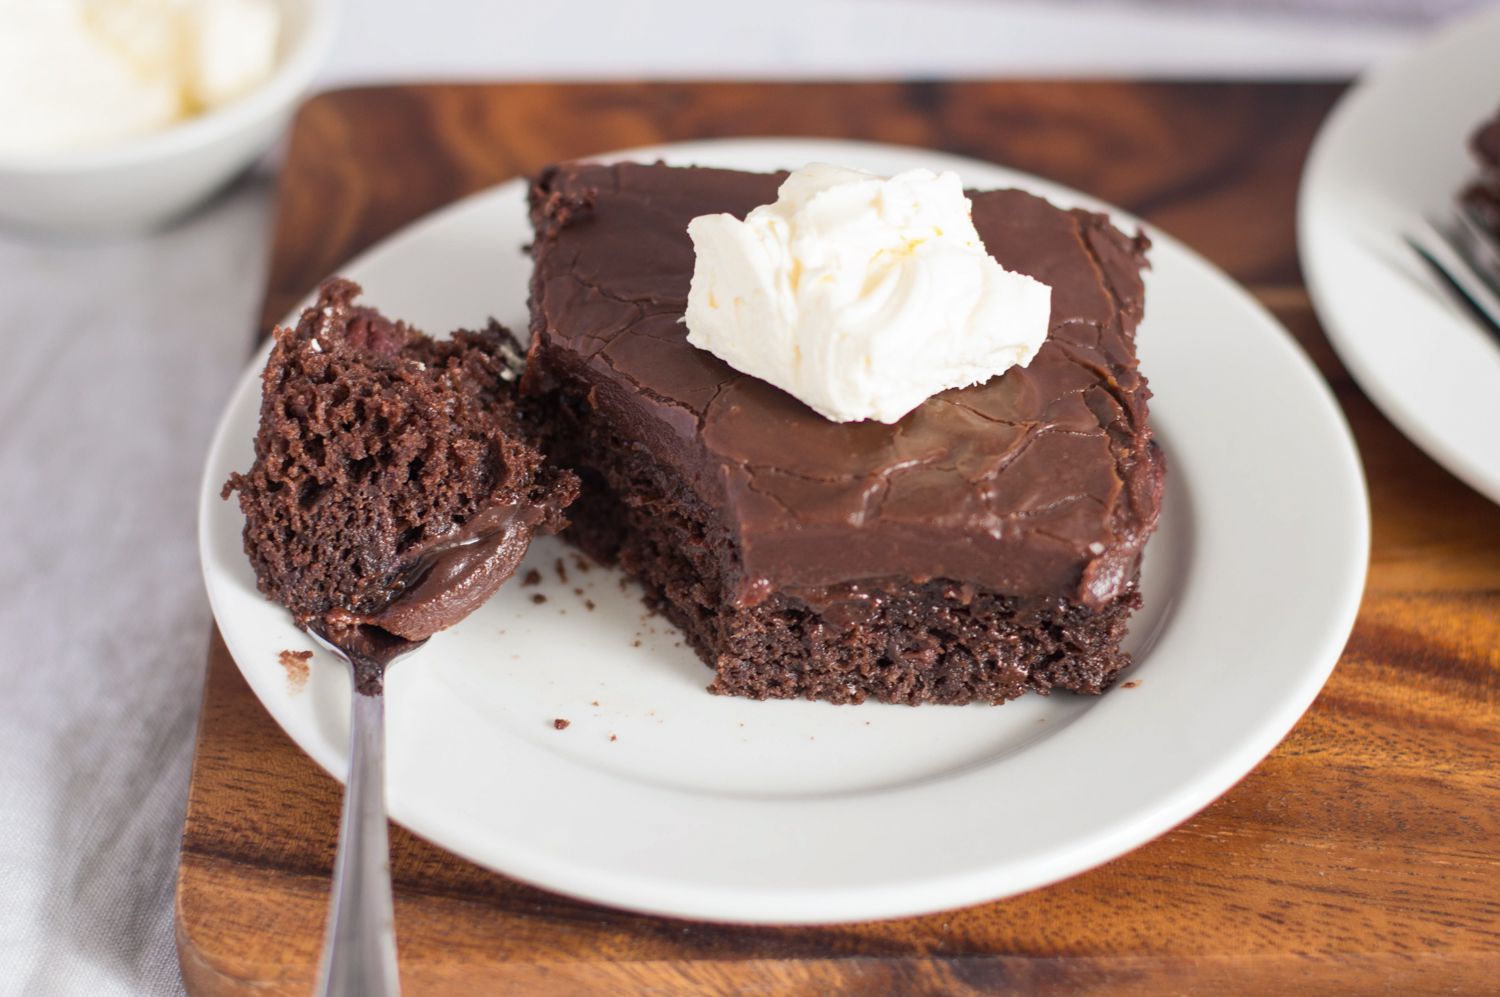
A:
(115, 360)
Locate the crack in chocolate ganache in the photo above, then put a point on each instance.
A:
(1041, 482)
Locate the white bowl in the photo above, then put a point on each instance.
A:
(143, 182)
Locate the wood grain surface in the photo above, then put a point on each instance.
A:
(1363, 856)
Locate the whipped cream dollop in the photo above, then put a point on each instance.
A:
(861, 295)
(79, 74)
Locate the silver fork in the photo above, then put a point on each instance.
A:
(1466, 259)
(359, 948)
(1480, 246)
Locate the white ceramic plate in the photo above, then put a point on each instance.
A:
(662, 798)
(1394, 152)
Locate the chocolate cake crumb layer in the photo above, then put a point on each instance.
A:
(395, 484)
(987, 543)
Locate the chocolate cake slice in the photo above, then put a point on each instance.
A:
(395, 485)
(986, 544)
(1482, 197)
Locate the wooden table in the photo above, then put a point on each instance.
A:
(1360, 857)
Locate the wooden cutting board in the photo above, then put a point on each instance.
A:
(1363, 856)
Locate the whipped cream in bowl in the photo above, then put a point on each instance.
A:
(82, 74)
(861, 295)
(117, 115)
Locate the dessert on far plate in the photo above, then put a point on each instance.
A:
(395, 485)
(985, 543)
(1482, 197)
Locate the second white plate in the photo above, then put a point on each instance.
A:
(1393, 153)
(660, 797)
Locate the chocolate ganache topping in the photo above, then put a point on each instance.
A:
(1041, 482)
(449, 579)
(438, 587)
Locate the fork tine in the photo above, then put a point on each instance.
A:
(1488, 320)
(1479, 247)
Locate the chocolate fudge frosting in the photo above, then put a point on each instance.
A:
(454, 577)
(1043, 481)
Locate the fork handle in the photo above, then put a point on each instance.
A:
(359, 949)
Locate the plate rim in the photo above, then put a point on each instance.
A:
(887, 900)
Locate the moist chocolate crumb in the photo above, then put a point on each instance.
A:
(589, 605)
(636, 642)
(295, 663)
(533, 577)
(382, 454)
(577, 591)
(538, 598)
(561, 724)
(564, 209)
(562, 571)
(580, 562)
(1131, 684)
(613, 737)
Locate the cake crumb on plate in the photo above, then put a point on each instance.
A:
(295, 663)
